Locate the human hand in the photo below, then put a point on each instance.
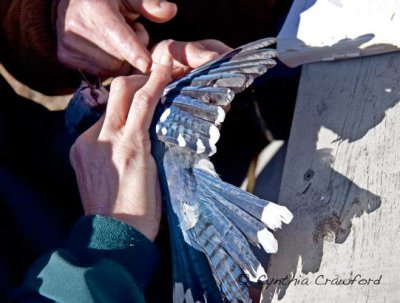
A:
(116, 173)
(188, 55)
(101, 37)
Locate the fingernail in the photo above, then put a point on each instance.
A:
(207, 55)
(143, 65)
(165, 59)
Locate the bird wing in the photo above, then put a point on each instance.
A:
(195, 105)
(206, 214)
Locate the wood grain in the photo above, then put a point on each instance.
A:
(342, 182)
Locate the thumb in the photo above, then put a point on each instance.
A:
(159, 11)
(195, 54)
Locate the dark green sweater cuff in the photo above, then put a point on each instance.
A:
(94, 238)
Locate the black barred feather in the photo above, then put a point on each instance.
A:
(224, 269)
(229, 234)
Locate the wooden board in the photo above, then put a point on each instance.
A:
(342, 182)
(324, 30)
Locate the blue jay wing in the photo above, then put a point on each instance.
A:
(196, 108)
(226, 272)
(259, 44)
(228, 80)
(253, 216)
(180, 127)
(214, 95)
(230, 237)
(192, 275)
(204, 93)
(217, 220)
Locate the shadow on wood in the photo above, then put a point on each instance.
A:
(312, 33)
(340, 166)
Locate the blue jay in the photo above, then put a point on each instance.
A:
(212, 224)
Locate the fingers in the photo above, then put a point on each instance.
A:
(154, 10)
(130, 110)
(215, 45)
(73, 53)
(145, 100)
(141, 32)
(121, 94)
(196, 54)
(83, 27)
(108, 26)
(201, 52)
(127, 43)
(191, 54)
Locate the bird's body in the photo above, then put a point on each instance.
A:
(213, 224)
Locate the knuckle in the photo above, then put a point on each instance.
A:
(125, 49)
(72, 25)
(161, 75)
(142, 99)
(195, 44)
(165, 45)
(129, 49)
(141, 142)
(119, 83)
(161, 78)
(110, 134)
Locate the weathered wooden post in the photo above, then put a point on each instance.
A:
(342, 171)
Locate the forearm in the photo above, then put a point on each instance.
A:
(28, 45)
(104, 260)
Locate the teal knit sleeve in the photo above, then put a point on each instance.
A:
(104, 260)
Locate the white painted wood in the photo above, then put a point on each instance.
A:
(342, 182)
(325, 30)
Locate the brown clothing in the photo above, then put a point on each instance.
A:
(28, 45)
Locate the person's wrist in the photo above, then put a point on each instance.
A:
(145, 225)
(142, 223)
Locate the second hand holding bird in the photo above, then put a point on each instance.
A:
(128, 188)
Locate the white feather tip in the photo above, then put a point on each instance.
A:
(273, 215)
(267, 241)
